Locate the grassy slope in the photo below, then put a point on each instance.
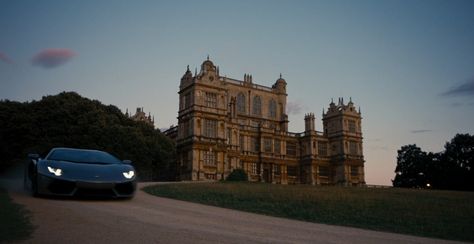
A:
(441, 214)
(14, 220)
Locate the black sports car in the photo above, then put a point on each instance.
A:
(80, 172)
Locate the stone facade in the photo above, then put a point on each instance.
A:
(225, 124)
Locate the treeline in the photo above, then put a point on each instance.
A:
(451, 169)
(69, 120)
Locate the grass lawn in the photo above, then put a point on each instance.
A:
(430, 213)
(14, 220)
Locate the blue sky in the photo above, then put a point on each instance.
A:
(409, 65)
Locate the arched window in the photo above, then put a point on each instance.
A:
(272, 109)
(257, 105)
(241, 103)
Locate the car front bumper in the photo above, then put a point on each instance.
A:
(64, 187)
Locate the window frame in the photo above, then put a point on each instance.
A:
(210, 128)
(210, 99)
(257, 105)
(241, 103)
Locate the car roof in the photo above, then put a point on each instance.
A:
(75, 149)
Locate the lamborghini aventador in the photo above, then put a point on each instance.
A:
(80, 172)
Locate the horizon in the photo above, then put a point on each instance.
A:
(408, 66)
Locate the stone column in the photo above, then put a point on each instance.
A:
(284, 176)
(272, 173)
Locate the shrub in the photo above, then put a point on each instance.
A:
(237, 175)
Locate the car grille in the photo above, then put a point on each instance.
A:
(61, 187)
(86, 192)
(124, 188)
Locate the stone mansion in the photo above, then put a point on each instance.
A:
(226, 124)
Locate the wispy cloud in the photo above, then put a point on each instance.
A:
(465, 89)
(52, 57)
(374, 139)
(420, 131)
(379, 148)
(5, 58)
(294, 107)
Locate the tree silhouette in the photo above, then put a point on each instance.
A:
(451, 169)
(69, 120)
(412, 167)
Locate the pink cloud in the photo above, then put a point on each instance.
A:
(52, 57)
(5, 58)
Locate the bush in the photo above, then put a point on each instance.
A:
(237, 175)
(70, 120)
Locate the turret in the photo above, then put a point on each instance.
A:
(341, 118)
(187, 77)
(309, 122)
(280, 85)
(208, 67)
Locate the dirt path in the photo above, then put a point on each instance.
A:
(149, 219)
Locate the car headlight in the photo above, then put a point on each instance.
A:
(129, 174)
(57, 172)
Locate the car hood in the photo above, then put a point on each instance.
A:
(86, 171)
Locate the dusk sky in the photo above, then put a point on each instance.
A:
(409, 65)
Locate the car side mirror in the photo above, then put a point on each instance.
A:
(127, 161)
(33, 156)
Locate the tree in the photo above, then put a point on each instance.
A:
(70, 120)
(458, 159)
(451, 169)
(412, 167)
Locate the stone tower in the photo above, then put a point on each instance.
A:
(201, 124)
(309, 122)
(342, 127)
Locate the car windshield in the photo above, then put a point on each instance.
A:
(82, 156)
